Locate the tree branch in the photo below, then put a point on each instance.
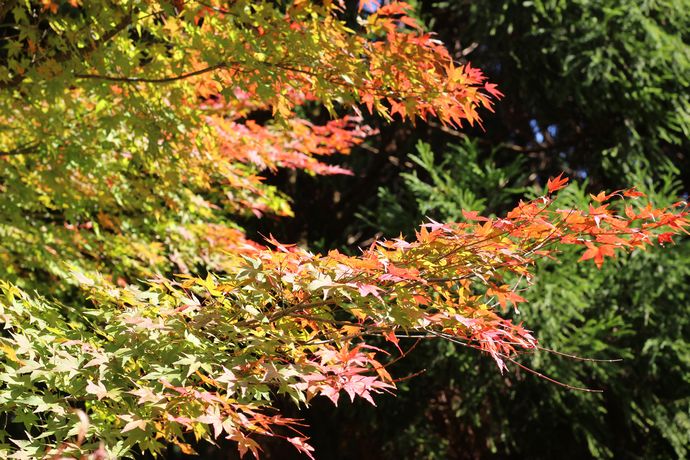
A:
(173, 78)
(62, 57)
(170, 79)
(21, 150)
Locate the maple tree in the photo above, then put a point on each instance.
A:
(135, 309)
(568, 107)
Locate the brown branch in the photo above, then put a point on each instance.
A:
(236, 65)
(409, 376)
(64, 56)
(21, 150)
(215, 8)
(174, 78)
(169, 79)
(512, 360)
(286, 312)
(547, 378)
(448, 130)
(578, 358)
(541, 147)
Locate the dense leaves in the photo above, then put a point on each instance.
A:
(633, 309)
(592, 88)
(205, 355)
(136, 135)
(598, 89)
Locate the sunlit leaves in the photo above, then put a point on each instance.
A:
(136, 133)
(143, 131)
(207, 354)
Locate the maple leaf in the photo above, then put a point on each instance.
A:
(369, 289)
(473, 215)
(555, 184)
(245, 444)
(391, 337)
(132, 423)
(666, 237)
(632, 193)
(302, 446)
(368, 100)
(598, 253)
(212, 418)
(50, 5)
(602, 196)
(411, 22)
(146, 395)
(396, 273)
(609, 239)
(99, 390)
(492, 89)
(504, 295)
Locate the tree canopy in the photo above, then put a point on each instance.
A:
(134, 138)
(567, 107)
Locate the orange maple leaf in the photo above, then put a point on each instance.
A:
(602, 196)
(557, 183)
(598, 253)
(504, 295)
(50, 5)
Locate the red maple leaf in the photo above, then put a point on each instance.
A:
(632, 193)
(598, 253)
(557, 183)
(665, 238)
(473, 215)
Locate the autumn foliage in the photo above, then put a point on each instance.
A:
(131, 146)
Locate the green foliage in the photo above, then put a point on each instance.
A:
(594, 85)
(440, 190)
(136, 136)
(604, 97)
(635, 309)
